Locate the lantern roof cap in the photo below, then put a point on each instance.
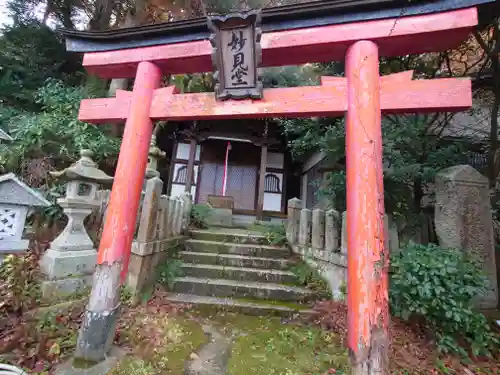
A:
(4, 136)
(84, 169)
(15, 192)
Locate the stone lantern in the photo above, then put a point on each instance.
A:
(70, 261)
(16, 198)
(155, 154)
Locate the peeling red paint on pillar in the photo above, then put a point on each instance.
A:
(367, 260)
(118, 232)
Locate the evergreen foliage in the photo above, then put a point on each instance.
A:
(439, 285)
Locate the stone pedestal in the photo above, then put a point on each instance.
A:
(222, 211)
(220, 217)
(70, 261)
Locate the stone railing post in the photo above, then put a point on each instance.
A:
(292, 230)
(148, 229)
(70, 261)
(170, 216)
(332, 223)
(343, 239)
(146, 243)
(177, 217)
(318, 229)
(186, 212)
(163, 218)
(305, 227)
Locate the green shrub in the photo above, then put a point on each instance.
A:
(199, 215)
(169, 271)
(275, 233)
(310, 278)
(438, 284)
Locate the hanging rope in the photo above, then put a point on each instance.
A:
(224, 180)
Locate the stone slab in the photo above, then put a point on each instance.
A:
(238, 289)
(61, 264)
(250, 308)
(222, 217)
(238, 273)
(233, 260)
(101, 368)
(57, 289)
(232, 235)
(262, 251)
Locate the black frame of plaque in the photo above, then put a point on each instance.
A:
(231, 20)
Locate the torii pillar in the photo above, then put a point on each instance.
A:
(368, 259)
(101, 315)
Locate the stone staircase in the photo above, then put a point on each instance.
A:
(233, 268)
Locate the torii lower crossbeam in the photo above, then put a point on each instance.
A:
(398, 94)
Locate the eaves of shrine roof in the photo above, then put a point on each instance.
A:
(318, 13)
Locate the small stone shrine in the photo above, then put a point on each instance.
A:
(16, 198)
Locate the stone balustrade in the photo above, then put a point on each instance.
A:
(321, 238)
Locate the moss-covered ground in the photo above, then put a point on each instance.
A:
(161, 343)
(273, 346)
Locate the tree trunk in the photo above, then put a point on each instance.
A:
(117, 84)
(102, 15)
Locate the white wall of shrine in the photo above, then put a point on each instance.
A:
(179, 176)
(183, 151)
(273, 192)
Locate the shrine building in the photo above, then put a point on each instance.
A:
(229, 152)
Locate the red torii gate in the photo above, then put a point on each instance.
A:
(362, 95)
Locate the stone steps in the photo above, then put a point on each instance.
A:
(243, 306)
(236, 269)
(230, 236)
(260, 251)
(238, 273)
(240, 289)
(233, 260)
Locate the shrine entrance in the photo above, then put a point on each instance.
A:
(362, 95)
(241, 174)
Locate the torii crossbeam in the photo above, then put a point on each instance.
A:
(398, 94)
(362, 96)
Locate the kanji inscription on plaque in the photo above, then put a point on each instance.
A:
(236, 55)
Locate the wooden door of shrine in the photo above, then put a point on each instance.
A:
(242, 172)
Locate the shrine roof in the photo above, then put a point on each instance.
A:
(318, 13)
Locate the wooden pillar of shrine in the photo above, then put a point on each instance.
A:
(368, 260)
(99, 320)
(262, 178)
(190, 166)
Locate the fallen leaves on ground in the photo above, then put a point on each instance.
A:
(412, 349)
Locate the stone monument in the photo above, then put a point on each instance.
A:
(463, 220)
